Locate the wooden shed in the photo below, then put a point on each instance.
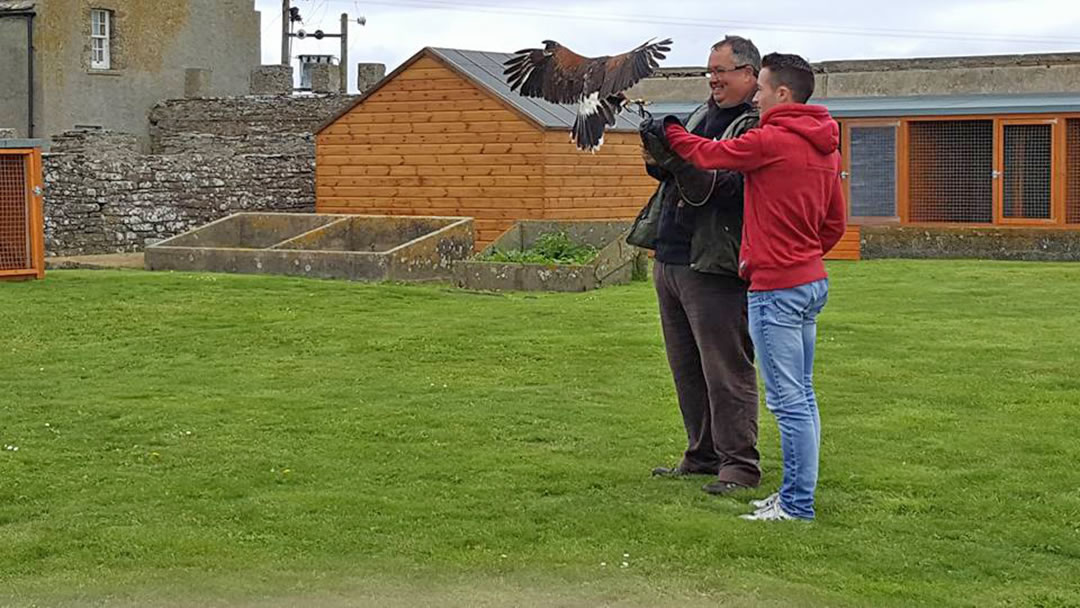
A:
(443, 134)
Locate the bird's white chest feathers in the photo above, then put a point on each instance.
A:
(589, 105)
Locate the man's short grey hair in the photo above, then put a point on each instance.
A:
(743, 51)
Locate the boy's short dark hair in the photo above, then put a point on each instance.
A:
(791, 71)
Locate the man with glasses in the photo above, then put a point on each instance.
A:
(694, 224)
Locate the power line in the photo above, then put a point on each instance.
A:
(472, 7)
(275, 19)
(323, 6)
(805, 28)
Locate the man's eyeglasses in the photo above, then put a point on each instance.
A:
(720, 72)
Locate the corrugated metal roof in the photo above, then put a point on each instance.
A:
(16, 5)
(937, 105)
(951, 105)
(486, 70)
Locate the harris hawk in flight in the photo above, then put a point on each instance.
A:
(596, 84)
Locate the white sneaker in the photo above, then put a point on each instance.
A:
(764, 502)
(773, 512)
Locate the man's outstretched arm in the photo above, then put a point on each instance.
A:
(743, 153)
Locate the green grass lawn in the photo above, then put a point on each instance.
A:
(232, 440)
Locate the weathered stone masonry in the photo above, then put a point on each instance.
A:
(241, 125)
(212, 157)
(109, 198)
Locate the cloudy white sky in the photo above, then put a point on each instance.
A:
(846, 29)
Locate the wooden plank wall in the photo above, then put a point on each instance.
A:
(611, 184)
(431, 143)
(848, 247)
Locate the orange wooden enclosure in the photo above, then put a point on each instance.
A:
(444, 135)
(999, 170)
(22, 233)
(1012, 162)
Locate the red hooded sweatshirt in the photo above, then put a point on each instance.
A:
(794, 210)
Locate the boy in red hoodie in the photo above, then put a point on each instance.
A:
(794, 214)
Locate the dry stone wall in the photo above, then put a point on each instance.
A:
(211, 158)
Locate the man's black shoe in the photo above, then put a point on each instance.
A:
(720, 488)
(676, 472)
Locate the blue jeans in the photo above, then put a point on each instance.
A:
(783, 326)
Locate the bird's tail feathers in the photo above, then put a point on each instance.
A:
(593, 116)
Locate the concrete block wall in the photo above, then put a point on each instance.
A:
(1035, 73)
(997, 74)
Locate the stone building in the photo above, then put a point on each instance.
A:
(105, 63)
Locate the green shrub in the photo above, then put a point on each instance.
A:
(550, 248)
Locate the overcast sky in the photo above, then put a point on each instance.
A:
(849, 29)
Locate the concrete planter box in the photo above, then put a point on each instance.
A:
(613, 265)
(326, 246)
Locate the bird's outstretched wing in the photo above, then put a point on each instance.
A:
(596, 84)
(559, 75)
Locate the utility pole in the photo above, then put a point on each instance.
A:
(343, 62)
(286, 26)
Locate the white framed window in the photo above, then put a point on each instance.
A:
(100, 31)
